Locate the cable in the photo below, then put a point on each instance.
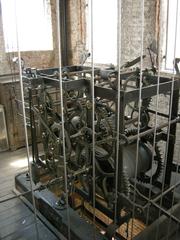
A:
(25, 126)
(177, 10)
(62, 116)
(118, 168)
(93, 122)
(169, 121)
(139, 110)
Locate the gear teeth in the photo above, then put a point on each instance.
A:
(125, 183)
(131, 132)
(146, 179)
(158, 158)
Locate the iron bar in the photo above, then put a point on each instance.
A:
(62, 117)
(165, 212)
(139, 111)
(92, 153)
(119, 124)
(25, 124)
(173, 101)
(148, 132)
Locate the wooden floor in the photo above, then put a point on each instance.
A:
(16, 219)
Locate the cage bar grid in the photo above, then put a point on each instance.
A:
(102, 153)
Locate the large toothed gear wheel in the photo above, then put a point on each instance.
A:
(158, 160)
(143, 177)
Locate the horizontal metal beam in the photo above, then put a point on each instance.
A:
(151, 90)
(165, 87)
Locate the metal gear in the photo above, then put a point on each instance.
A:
(134, 106)
(157, 158)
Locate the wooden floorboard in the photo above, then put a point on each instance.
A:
(8, 170)
(29, 233)
(6, 196)
(7, 185)
(16, 219)
(15, 226)
(9, 208)
(14, 212)
(6, 191)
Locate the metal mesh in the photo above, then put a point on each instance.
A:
(102, 151)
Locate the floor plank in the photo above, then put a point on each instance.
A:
(16, 219)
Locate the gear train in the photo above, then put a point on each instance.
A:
(126, 148)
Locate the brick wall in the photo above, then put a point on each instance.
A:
(76, 37)
(38, 59)
(132, 25)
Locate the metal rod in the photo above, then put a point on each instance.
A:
(118, 165)
(165, 212)
(93, 122)
(170, 117)
(19, 195)
(175, 107)
(142, 134)
(156, 111)
(139, 111)
(25, 124)
(62, 117)
(149, 232)
(165, 192)
(167, 24)
(41, 187)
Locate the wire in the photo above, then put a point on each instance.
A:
(25, 126)
(165, 212)
(156, 112)
(118, 169)
(93, 121)
(139, 110)
(167, 24)
(173, 197)
(169, 122)
(62, 116)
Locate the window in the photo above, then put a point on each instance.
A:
(104, 31)
(31, 19)
(171, 34)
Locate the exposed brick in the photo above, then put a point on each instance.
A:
(76, 37)
(38, 59)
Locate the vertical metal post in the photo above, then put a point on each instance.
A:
(25, 124)
(63, 31)
(62, 117)
(118, 150)
(33, 129)
(120, 156)
(174, 114)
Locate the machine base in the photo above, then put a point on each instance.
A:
(46, 205)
